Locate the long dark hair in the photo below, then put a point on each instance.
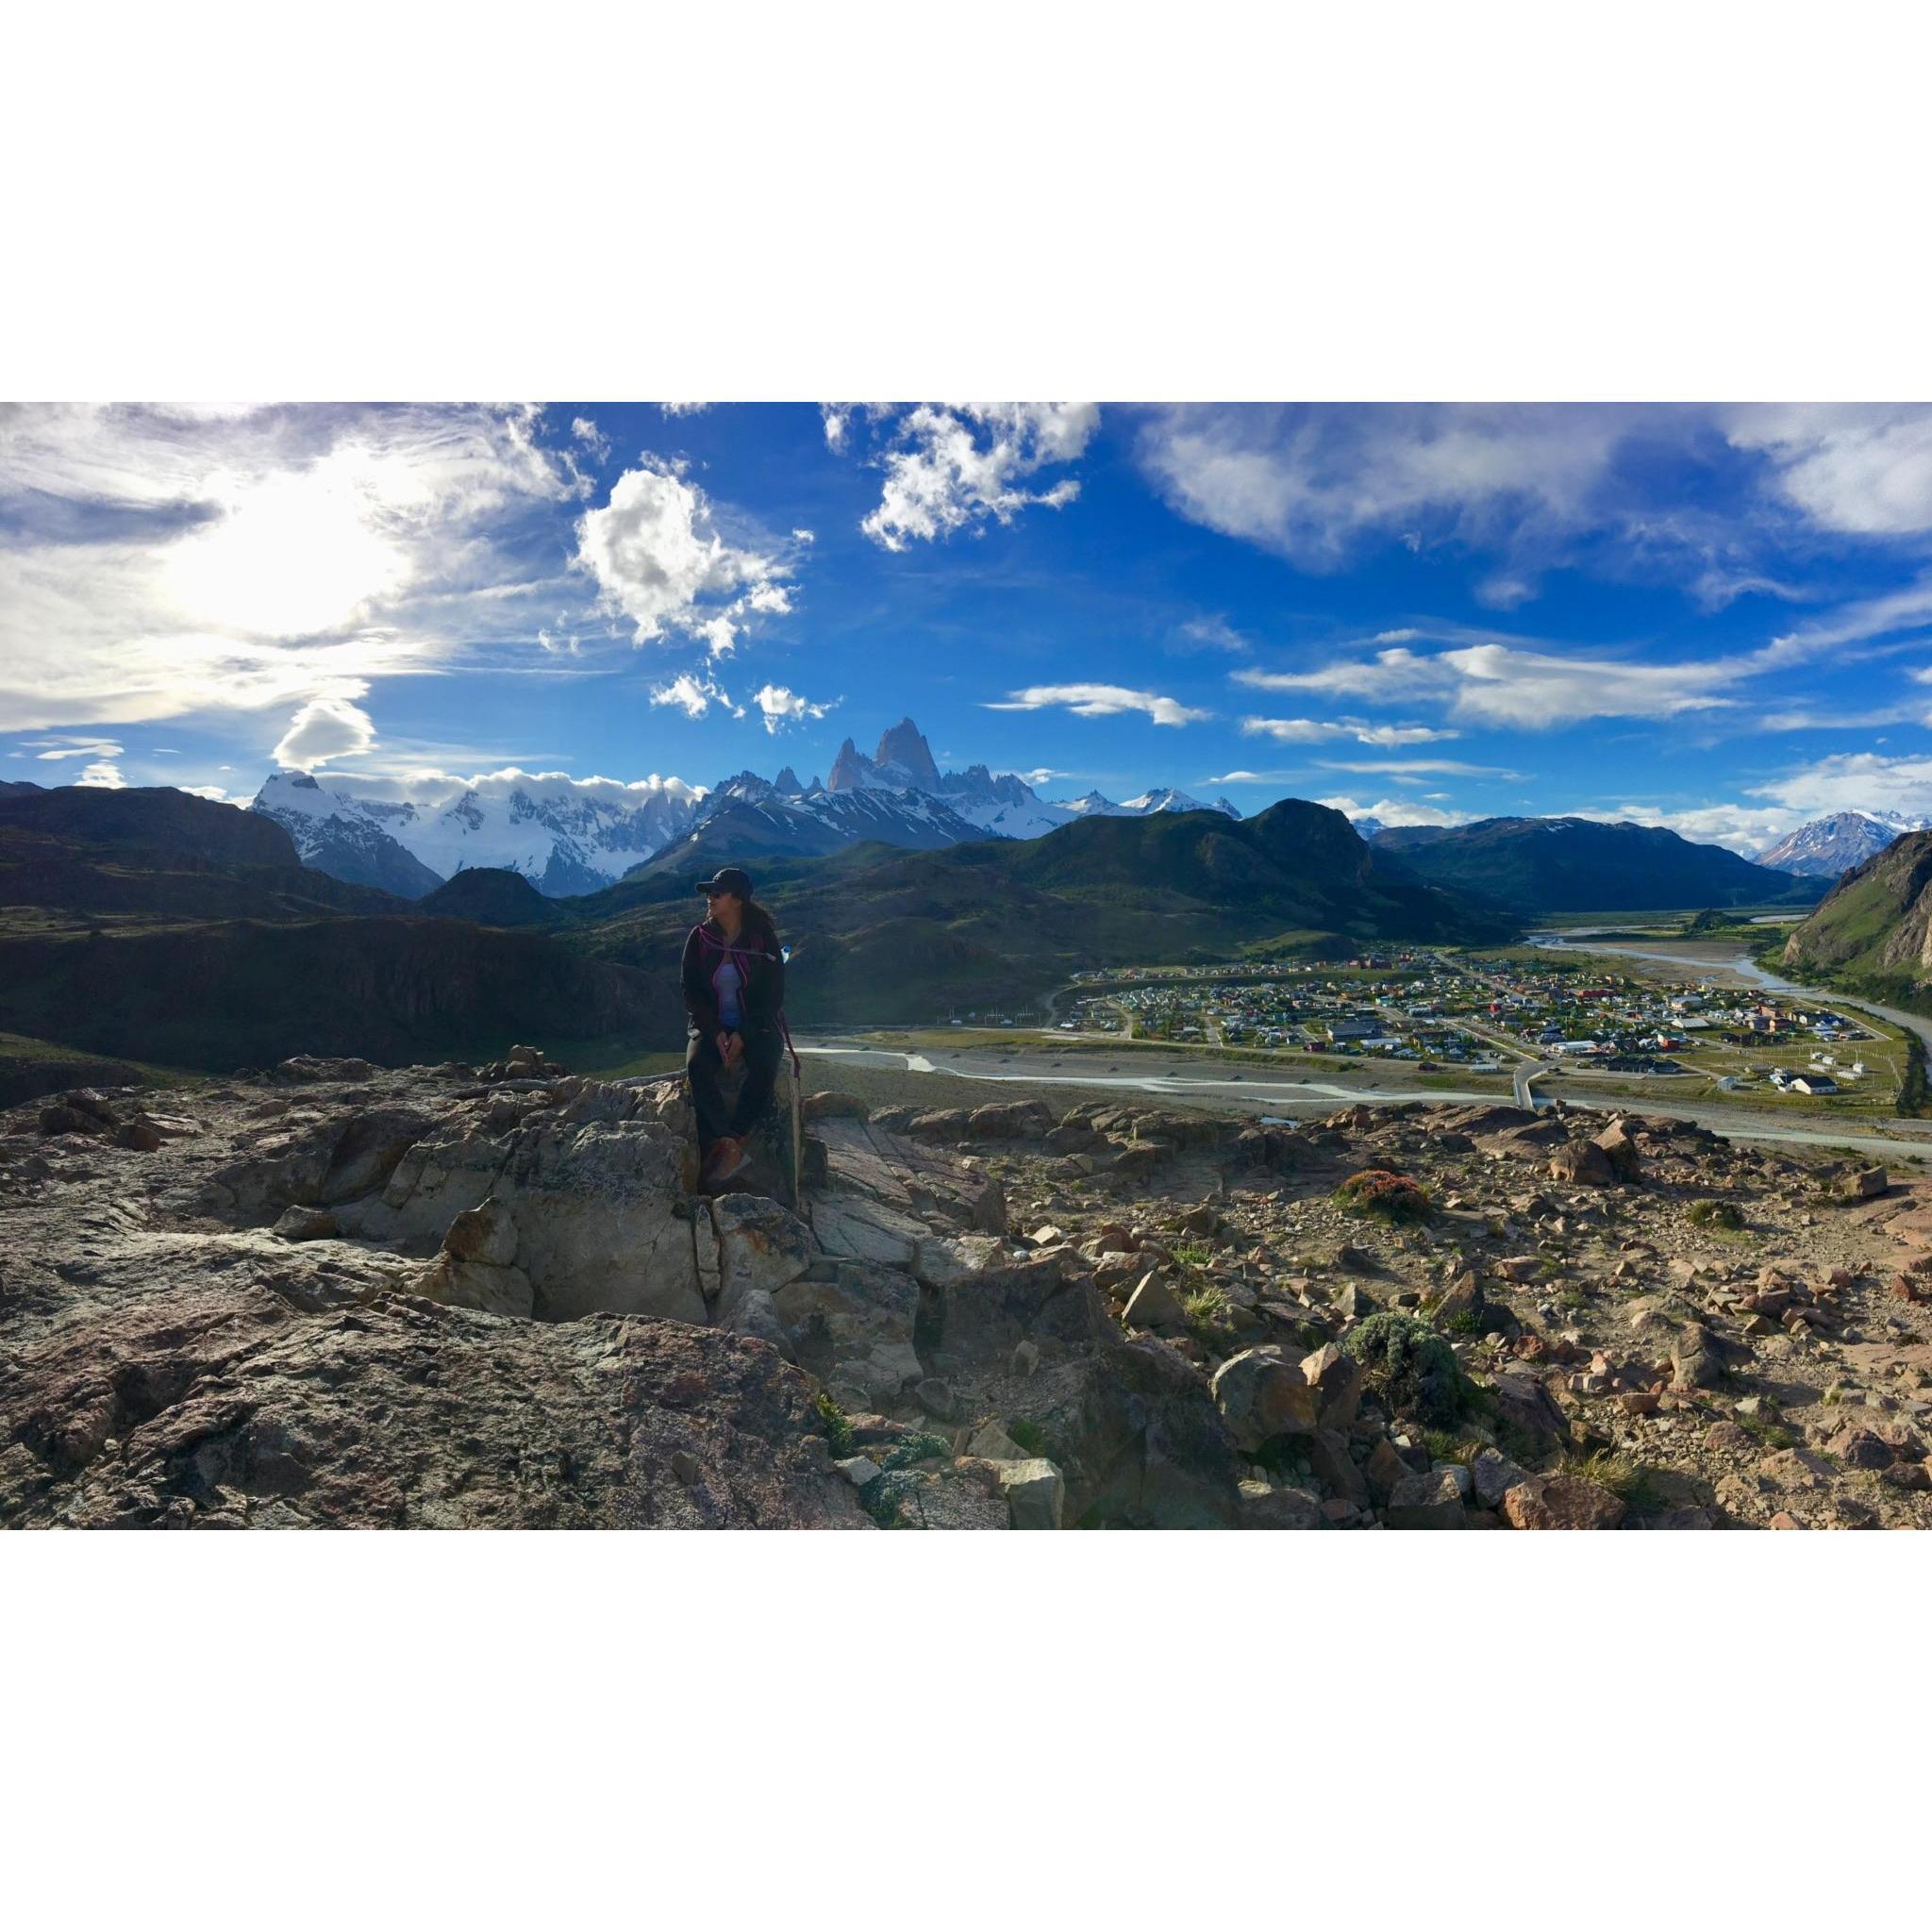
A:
(756, 923)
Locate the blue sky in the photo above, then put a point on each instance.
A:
(1714, 616)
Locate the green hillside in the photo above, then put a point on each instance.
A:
(1874, 930)
(881, 935)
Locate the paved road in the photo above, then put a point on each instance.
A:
(1524, 1074)
(1181, 1078)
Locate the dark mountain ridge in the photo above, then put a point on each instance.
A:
(1533, 866)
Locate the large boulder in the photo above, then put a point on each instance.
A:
(1261, 1393)
(1560, 1501)
(851, 1323)
(1583, 1162)
(229, 1379)
(1430, 1500)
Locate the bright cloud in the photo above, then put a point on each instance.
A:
(780, 707)
(1397, 811)
(589, 436)
(1854, 781)
(694, 696)
(1746, 830)
(161, 561)
(658, 559)
(1100, 701)
(1314, 730)
(325, 729)
(103, 773)
(952, 466)
(48, 750)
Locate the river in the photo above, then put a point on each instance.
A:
(1182, 1078)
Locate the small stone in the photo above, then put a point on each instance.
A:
(1026, 1357)
(1152, 1306)
(858, 1471)
(1493, 1475)
(684, 1466)
(1036, 1492)
(936, 1397)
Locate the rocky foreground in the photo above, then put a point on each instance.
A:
(333, 1295)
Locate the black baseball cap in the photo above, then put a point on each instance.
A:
(729, 879)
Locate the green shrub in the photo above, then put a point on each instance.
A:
(1716, 1214)
(838, 1424)
(1410, 1366)
(1383, 1196)
(1030, 1436)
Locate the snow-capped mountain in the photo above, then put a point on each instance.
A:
(1096, 805)
(564, 836)
(749, 817)
(1004, 805)
(1827, 846)
(568, 835)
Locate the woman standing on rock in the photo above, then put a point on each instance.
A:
(734, 995)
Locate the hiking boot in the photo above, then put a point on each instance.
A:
(728, 1157)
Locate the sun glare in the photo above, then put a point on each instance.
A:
(294, 555)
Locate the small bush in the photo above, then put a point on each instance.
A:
(1724, 1214)
(838, 1424)
(1030, 1436)
(1192, 1254)
(1383, 1196)
(1205, 1308)
(1410, 1366)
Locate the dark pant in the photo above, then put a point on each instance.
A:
(719, 1112)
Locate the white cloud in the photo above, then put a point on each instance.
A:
(1315, 730)
(1311, 483)
(593, 438)
(954, 465)
(1412, 767)
(105, 775)
(659, 558)
(837, 418)
(684, 408)
(1746, 830)
(214, 792)
(51, 750)
(781, 707)
(694, 696)
(1854, 781)
(1397, 811)
(325, 729)
(1040, 775)
(1209, 633)
(1498, 684)
(1099, 701)
(1863, 469)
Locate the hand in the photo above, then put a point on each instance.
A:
(724, 1046)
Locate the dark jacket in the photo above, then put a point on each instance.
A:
(756, 956)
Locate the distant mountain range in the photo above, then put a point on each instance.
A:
(1530, 867)
(881, 936)
(569, 839)
(1828, 846)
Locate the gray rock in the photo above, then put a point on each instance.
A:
(1266, 1507)
(1036, 1492)
(1261, 1393)
(1428, 1501)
